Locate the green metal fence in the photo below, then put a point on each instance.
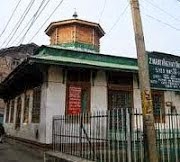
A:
(115, 136)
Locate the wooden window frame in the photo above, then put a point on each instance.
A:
(83, 86)
(36, 109)
(19, 102)
(7, 112)
(159, 118)
(12, 106)
(78, 78)
(26, 108)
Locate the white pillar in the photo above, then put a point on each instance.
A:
(99, 92)
(56, 93)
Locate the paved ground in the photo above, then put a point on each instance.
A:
(18, 153)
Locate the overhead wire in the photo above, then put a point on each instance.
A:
(46, 20)
(10, 18)
(118, 19)
(158, 20)
(29, 22)
(162, 10)
(35, 16)
(102, 11)
(162, 22)
(16, 27)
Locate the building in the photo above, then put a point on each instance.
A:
(10, 58)
(70, 76)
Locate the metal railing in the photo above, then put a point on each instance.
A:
(115, 136)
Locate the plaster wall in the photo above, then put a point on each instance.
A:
(55, 101)
(136, 94)
(99, 92)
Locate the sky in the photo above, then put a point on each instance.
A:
(160, 19)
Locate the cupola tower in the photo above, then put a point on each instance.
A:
(75, 34)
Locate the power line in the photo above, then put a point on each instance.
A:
(39, 13)
(46, 20)
(162, 10)
(34, 18)
(102, 10)
(117, 20)
(16, 27)
(10, 18)
(164, 23)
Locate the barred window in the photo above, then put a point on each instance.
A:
(12, 112)
(36, 105)
(26, 109)
(158, 106)
(7, 112)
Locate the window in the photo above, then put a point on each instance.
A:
(120, 98)
(158, 106)
(26, 109)
(7, 112)
(78, 92)
(36, 105)
(118, 102)
(12, 112)
(18, 113)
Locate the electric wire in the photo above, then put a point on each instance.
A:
(35, 16)
(118, 19)
(46, 20)
(22, 31)
(105, 1)
(18, 24)
(158, 20)
(162, 22)
(162, 10)
(10, 18)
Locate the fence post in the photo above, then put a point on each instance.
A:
(53, 135)
(128, 135)
(80, 133)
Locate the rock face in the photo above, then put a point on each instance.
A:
(10, 58)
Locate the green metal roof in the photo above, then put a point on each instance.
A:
(57, 55)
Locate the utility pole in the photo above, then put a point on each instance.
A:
(146, 100)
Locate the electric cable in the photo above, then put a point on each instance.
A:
(164, 23)
(46, 20)
(10, 18)
(39, 13)
(162, 10)
(35, 16)
(117, 20)
(102, 10)
(16, 27)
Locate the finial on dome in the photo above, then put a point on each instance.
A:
(75, 15)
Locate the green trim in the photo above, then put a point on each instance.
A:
(81, 46)
(58, 55)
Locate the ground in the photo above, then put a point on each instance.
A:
(18, 153)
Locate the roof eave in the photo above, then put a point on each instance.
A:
(52, 25)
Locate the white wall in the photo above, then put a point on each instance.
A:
(55, 101)
(99, 92)
(136, 94)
